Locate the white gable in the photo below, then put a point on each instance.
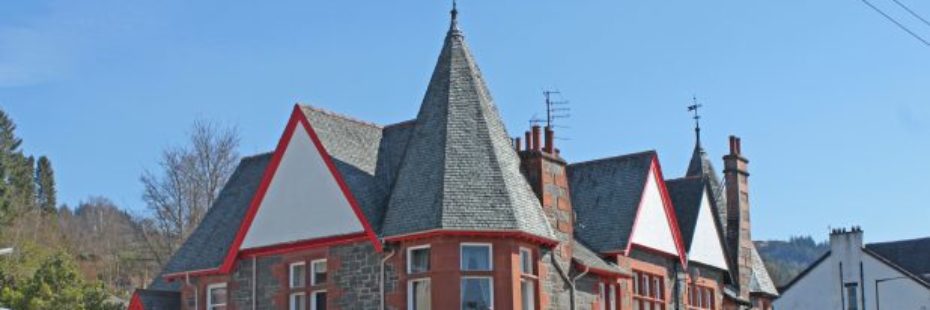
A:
(706, 245)
(652, 228)
(303, 201)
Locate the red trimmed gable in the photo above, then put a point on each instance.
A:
(135, 303)
(296, 132)
(656, 224)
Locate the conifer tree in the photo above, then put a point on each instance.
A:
(45, 179)
(9, 146)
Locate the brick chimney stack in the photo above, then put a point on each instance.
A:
(739, 236)
(546, 172)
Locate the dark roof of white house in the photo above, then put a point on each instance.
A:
(912, 255)
(605, 196)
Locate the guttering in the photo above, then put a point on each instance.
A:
(381, 281)
(517, 234)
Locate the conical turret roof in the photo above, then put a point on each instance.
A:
(460, 171)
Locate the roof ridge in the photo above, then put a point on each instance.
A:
(338, 115)
(403, 123)
(624, 156)
(899, 241)
(684, 178)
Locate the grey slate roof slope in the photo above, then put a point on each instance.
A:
(911, 255)
(605, 195)
(760, 282)
(208, 244)
(701, 165)
(460, 171)
(354, 147)
(159, 300)
(686, 194)
(587, 257)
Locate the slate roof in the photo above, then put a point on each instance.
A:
(585, 256)
(701, 165)
(460, 171)
(208, 244)
(605, 196)
(760, 282)
(911, 255)
(686, 194)
(159, 300)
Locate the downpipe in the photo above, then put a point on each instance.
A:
(382, 278)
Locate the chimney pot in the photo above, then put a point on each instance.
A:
(517, 143)
(550, 137)
(536, 138)
(529, 140)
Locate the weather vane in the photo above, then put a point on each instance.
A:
(697, 116)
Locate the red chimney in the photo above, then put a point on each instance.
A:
(550, 136)
(536, 138)
(529, 140)
(739, 229)
(517, 143)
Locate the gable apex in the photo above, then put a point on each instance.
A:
(655, 226)
(302, 197)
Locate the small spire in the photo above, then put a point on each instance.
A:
(454, 26)
(697, 119)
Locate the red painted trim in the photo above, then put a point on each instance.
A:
(135, 303)
(669, 215)
(670, 212)
(339, 179)
(304, 245)
(297, 116)
(469, 233)
(193, 273)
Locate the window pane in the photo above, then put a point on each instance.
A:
(419, 260)
(528, 288)
(613, 297)
(218, 296)
(319, 272)
(603, 296)
(297, 275)
(298, 301)
(852, 298)
(319, 301)
(420, 295)
(476, 294)
(526, 261)
(476, 257)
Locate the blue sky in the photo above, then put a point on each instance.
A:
(832, 101)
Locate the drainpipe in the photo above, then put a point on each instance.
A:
(570, 281)
(254, 285)
(187, 279)
(381, 274)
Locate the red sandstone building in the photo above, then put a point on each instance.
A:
(446, 211)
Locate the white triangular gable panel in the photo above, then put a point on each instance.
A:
(652, 229)
(706, 245)
(303, 201)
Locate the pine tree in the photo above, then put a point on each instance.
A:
(45, 179)
(9, 147)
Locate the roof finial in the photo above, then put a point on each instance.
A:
(455, 14)
(697, 118)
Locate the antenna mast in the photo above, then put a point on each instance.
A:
(553, 111)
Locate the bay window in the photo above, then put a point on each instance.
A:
(477, 293)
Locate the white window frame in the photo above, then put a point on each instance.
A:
(602, 293)
(313, 299)
(410, 301)
(290, 300)
(410, 256)
(490, 288)
(484, 244)
(313, 271)
(290, 274)
(210, 304)
(529, 253)
(612, 294)
(532, 299)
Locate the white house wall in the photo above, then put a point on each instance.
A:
(706, 245)
(820, 289)
(652, 227)
(303, 201)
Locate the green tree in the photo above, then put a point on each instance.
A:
(56, 285)
(45, 179)
(9, 145)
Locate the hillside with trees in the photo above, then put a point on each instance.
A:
(786, 259)
(92, 255)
